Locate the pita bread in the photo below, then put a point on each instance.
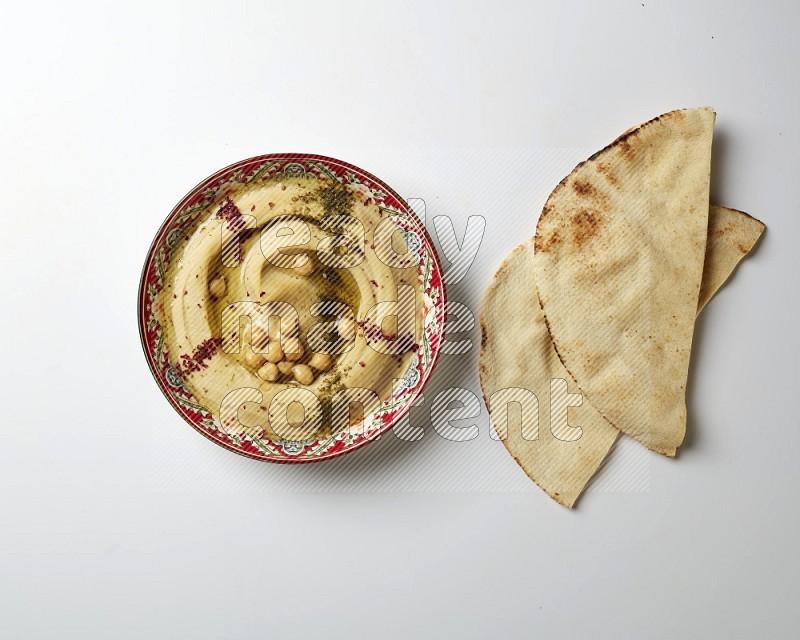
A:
(732, 234)
(620, 247)
(523, 357)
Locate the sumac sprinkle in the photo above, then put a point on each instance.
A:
(374, 334)
(231, 214)
(203, 352)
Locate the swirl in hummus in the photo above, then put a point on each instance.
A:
(292, 287)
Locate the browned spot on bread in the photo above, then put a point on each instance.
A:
(583, 188)
(742, 247)
(608, 173)
(585, 224)
(543, 245)
(540, 245)
(484, 336)
(586, 189)
(626, 149)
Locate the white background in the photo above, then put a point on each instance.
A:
(119, 521)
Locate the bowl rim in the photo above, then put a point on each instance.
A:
(440, 305)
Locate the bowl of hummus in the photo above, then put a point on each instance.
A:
(291, 308)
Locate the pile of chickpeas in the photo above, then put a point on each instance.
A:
(282, 359)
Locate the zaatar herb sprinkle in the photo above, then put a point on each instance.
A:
(334, 197)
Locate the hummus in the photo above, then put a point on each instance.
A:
(292, 286)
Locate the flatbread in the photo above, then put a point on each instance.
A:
(522, 356)
(517, 353)
(732, 234)
(620, 248)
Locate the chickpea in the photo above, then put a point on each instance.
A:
(275, 331)
(259, 338)
(303, 373)
(269, 372)
(253, 359)
(308, 268)
(274, 353)
(320, 362)
(218, 286)
(285, 367)
(346, 328)
(294, 349)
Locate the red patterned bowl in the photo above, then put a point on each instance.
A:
(185, 217)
